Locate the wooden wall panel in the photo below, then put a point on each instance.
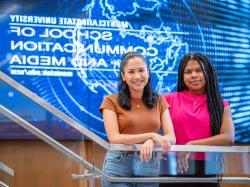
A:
(37, 164)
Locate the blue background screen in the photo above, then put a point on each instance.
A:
(68, 52)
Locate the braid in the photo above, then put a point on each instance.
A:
(215, 103)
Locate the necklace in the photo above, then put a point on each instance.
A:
(137, 103)
(194, 101)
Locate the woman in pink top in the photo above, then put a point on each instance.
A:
(198, 113)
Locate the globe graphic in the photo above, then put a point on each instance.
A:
(99, 49)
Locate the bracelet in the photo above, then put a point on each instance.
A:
(169, 139)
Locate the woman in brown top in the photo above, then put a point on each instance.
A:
(135, 116)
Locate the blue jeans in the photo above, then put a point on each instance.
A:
(122, 164)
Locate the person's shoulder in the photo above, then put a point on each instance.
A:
(162, 100)
(112, 96)
(171, 95)
(109, 102)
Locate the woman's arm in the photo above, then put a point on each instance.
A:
(226, 136)
(167, 127)
(114, 136)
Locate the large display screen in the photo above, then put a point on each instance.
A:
(68, 52)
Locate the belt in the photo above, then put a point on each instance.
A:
(132, 153)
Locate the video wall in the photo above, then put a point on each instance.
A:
(68, 52)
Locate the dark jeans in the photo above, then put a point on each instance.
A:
(196, 169)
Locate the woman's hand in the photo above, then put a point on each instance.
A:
(146, 150)
(183, 162)
(164, 142)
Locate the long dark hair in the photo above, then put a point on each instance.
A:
(215, 102)
(149, 97)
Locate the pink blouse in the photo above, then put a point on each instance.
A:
(190, 117)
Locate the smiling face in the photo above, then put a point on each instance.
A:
(194, 77)
(135, 74)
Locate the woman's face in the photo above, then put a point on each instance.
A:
(135, 74)
(194, 77)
